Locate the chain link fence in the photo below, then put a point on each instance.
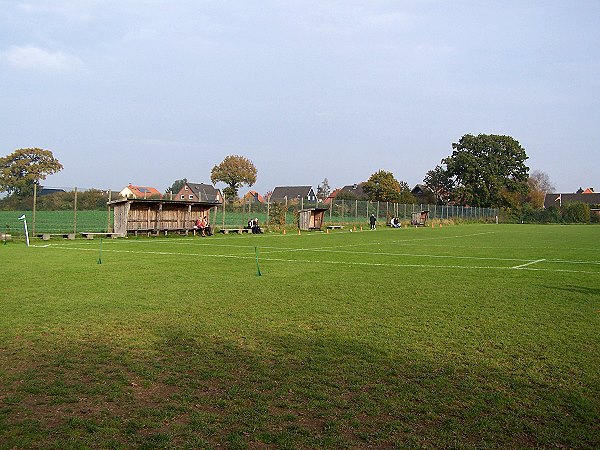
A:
(59, 210)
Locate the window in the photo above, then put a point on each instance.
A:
(182, 197)
(191, 197)
(185, 188)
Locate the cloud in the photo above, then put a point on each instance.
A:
(30, 57)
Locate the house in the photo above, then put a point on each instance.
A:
(589, 190)
(423, 194)
(140, 192)
(352, 192)
(331, 196)
(285, 194)
(199, 192)
(560, 199)
(252, 197)
(48, 191)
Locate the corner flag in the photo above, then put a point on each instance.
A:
(22, 217)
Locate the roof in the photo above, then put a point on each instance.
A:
(256, 195)
(561, 199)
(420, 189)
(355, 189)
(205, 192)
(142, 191)
(156, 201)
(290, 192)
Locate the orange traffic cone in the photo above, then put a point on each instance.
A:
(431, 224)
(360, 228)
(298, 232)
(440, 225)
(354, 227)
(284, 231)
(327, 232)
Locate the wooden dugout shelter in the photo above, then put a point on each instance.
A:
(156, 215)
(419, 218)
(311, 219)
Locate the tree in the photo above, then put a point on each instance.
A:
(488, 170)
(176, 186)
(539, 185)
(440, 184)
(382, 186)
(323, 190)
(25, 167)
(234, 171)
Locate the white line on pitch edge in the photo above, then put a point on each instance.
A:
(528, 264)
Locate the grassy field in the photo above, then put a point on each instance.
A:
(475, 336)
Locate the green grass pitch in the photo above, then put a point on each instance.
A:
(475, 336)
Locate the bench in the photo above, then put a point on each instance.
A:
(335, 227)
(47, 236)
(90, 235)
(234, 230)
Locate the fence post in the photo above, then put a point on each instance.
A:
(75, 212)
(108, 228)
(223, 215)
(34, 207)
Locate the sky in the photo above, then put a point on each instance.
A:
(148, 92)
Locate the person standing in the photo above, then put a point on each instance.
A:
(373, 222)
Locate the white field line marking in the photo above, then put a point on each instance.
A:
(343, 263)
(387, 242)
(528, 264)
(330, 249)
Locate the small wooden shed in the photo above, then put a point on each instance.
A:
(311, 219)
(419, 218)
(156, 215)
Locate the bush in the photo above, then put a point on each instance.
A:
(576, 213)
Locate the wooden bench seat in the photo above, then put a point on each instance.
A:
(335, 227)
(47, 236)
(90, 235)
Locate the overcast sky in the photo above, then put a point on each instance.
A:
(149, 92)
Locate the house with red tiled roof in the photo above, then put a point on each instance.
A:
(331, 196)
(252, 197)
(132, 191)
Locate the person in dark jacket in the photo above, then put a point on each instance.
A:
(373, 222)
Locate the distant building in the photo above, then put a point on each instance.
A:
(48, 191)
(423, 194)
(589, 190)
(132, 191)
(559, 199)
(199, 192)
(352, 192)
(252, 197)
(285, 194)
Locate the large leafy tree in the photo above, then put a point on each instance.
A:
(383, 186)
(440, 184)
(234, 171)
(539, 185)
(25, 167)
(488, 170)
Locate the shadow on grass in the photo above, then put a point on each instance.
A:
(279, 391)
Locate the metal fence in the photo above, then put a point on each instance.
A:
(74, 210)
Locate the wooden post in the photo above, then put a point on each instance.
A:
(108, 227)
(34, 207)
(223, 215)
(75, 212)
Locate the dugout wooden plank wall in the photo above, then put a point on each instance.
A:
(157, 215)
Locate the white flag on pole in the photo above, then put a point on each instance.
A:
(22, 217)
